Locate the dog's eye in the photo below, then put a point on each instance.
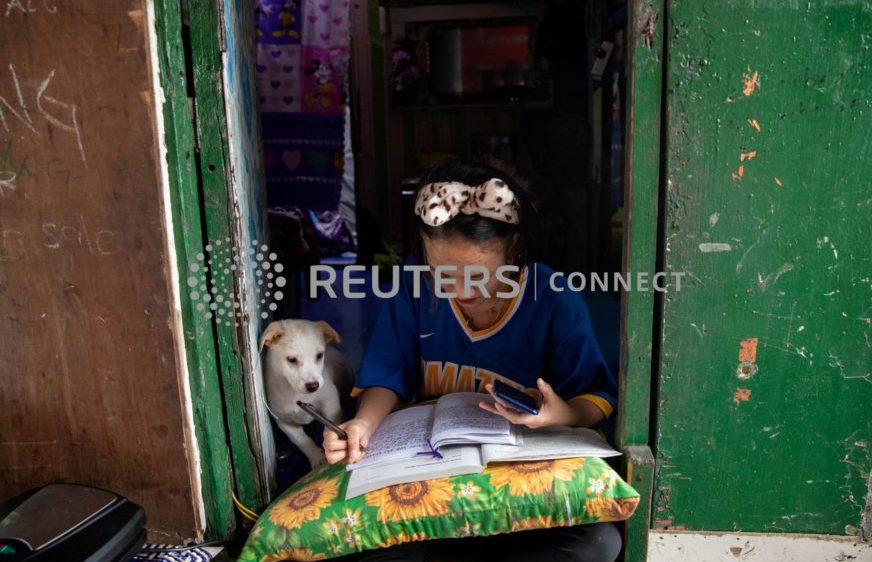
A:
(320, 355)
(292, 360)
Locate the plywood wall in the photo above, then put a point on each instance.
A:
(89, 382)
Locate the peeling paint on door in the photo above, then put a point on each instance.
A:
(762, 417)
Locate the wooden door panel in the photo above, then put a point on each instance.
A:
(763, 417)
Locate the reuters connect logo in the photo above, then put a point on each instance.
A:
(211, 280)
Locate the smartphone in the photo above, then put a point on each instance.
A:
(515, 398)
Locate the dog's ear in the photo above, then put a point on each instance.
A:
(272, 334)
(330, 334)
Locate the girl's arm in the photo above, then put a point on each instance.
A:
(584, 390)
(387, 375)
(587, 414)
(376, 403)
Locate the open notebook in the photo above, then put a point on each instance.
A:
(455, 436)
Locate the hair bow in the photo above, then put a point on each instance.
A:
(438, 203)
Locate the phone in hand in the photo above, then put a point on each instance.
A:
(515, 398)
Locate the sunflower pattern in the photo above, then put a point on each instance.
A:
(608, 509)
(412, 500)
(532, 477)
(313, 521)
(401, 538)
(304, 504)
(533, 523)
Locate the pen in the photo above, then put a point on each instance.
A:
(322, 418)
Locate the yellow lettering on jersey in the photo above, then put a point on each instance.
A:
(439, 380)
(466, 380)
(442, 379)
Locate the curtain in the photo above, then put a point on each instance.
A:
(302, 67)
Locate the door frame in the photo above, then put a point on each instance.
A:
(201, 204)
(640, 331)
(197, 153)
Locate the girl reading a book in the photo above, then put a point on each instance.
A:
(523, 327)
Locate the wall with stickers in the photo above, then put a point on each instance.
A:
(89, 383)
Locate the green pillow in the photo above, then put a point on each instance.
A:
(312, 521)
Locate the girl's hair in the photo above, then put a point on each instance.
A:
(476, 228)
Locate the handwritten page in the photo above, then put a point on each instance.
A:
(550, 443)
(401, 434)
(459, 419)
(456, 460)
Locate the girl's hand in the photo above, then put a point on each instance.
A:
(335, 449)
(553, 410)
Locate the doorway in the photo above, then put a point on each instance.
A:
(564, 136)
(538, 91)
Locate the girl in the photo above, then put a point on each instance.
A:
(471, 216)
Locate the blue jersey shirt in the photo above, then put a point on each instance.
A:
(423, 348)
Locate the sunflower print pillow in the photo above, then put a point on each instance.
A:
(312, 521)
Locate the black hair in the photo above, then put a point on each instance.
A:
(477, 228)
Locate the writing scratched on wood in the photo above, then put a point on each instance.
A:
(55, 236)
(29, 7)
(7, 182)
(46, 105)
(28, 168)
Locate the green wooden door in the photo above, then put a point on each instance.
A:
(205, 56)
(764, 398)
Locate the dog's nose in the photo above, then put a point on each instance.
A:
(312, 386)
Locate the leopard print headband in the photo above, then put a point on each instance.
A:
(438, 203)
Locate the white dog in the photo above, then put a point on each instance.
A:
(301, 365)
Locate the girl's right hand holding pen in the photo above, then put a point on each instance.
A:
(350, 450)
(375, 404)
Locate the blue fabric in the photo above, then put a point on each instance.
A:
(420, 349)
(303, 157)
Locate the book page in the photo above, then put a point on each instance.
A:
(459, 419)
(456, 460)
(550, 443)
(401, 434)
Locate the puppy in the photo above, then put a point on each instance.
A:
(301, 365)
